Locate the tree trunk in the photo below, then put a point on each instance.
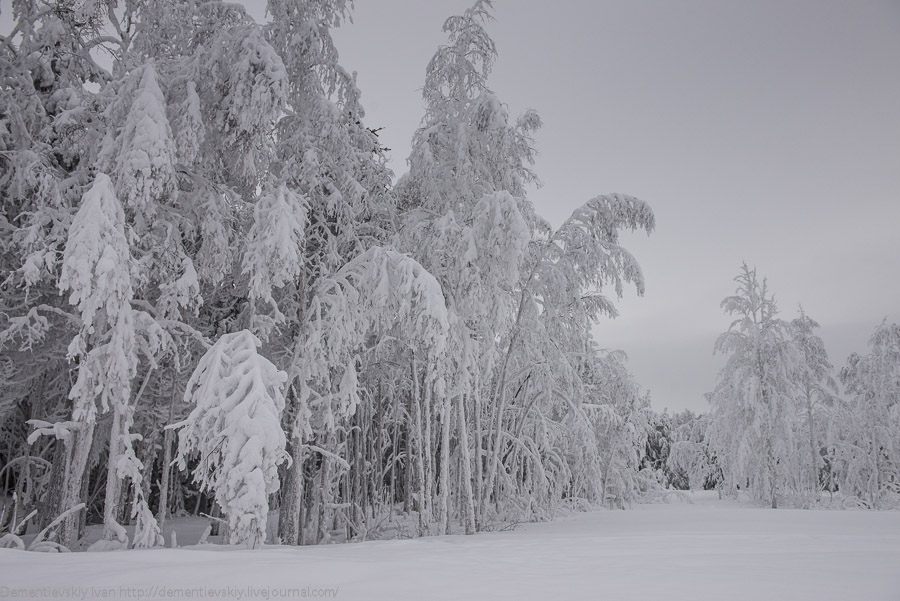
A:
(322, 521)
(165, 478)
(52, 502)
(168, 441)
(479, 460)
(465, 461)
(813, 463)
(113, 496)
(289, 511)
(76, 464)
(429, 452)
(495, 435)
(395, 444)
(420, 451)
(446, 410)
(773, 471)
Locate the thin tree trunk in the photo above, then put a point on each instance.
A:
(290, 522)
(395, 444)
(324, 473)
(479, 460)
(429, 452)
(420, 449)
(773, 471)
(813, 464)
(445, 465)
(495, 436)
(465, 461)
(168, 440)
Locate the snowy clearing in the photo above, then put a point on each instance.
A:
(707, 550)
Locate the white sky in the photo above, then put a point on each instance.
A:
(765, 131)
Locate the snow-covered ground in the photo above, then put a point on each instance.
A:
(706, 550)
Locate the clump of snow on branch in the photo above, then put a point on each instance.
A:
(274, 253)
(145, 166)
(95, 271)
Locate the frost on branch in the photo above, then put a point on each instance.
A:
(145, 166)
(588, 242)
(374, 292)
(96, 272)
(235, 427)
(499, 237)
(582, 257)
(275, 243)
(248, 103)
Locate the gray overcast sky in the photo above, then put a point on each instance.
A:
(765, 131)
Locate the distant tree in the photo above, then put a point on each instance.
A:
(620, 416)
(664, 434)
(816, 388)
(866, 445)
(753, 413)
(658, 440)
(690, 463)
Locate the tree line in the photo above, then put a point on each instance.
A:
(786, 425)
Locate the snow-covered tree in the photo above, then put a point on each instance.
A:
(379, 293)
(865, 445)
(619, 415)
(49, 131)
(96, 272)
(433, 333)
(235, 427)
(465, 218)
(524, 296)
(816, 388)
(751, 429)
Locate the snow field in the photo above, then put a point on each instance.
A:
(708, 550)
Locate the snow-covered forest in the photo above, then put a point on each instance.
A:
(217, 300)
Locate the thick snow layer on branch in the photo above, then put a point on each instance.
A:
(96, 271)
(275, 243)
(145, 167)
(96, 260)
